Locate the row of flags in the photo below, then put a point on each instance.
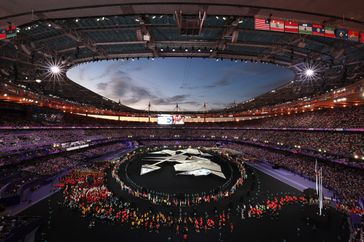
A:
(308, 28)
(8, 32)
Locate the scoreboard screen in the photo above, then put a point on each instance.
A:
(168, 119)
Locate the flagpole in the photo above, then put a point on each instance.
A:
(316, 175)
(320, 192)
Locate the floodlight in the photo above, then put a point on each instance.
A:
(309, 72)
(55, 69)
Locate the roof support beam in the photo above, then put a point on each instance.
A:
(199, 44)
(143, 34)
(231, 30)
(184, 54)
(75, 35)
(105, 44)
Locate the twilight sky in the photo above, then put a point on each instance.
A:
(188, 82)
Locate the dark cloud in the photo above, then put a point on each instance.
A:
(219, 83)
(251, 72)
(117, 66)
(170, 100)
(101, 86)
(123, 87)
(110, 70)
(225, 80)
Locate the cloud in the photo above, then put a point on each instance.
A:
(122, 86)
(170, 100)
(81, 74)
(101, 86)
(110, 70)
(225, 80)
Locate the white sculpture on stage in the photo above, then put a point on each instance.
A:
(190, 162)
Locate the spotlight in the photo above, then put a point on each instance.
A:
(309, 72)
(38, 80)
(55, 69)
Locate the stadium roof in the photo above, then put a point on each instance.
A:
(21, 12)
(73, 32)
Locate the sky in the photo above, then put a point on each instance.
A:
(165, 82)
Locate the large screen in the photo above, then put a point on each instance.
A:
(167, 119)
(178, 119)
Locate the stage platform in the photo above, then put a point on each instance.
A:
(288, 177)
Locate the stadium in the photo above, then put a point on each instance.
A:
(167, 120)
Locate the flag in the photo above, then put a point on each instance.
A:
(362, 38)
(353, 35)
(329, 32)
(2, 34)
(341, 33)
(277, 25)
(305, 29)
(262, 24)
(11, 31)
(290, 27)
(318, 30)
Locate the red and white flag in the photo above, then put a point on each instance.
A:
(290, 27)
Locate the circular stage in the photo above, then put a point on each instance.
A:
(179, 177)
